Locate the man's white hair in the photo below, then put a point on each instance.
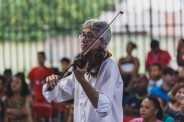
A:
(99, 26)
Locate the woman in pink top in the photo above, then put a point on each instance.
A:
(150, 111)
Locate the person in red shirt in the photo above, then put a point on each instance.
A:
(156, 55)
(37, 77)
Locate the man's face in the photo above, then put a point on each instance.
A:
(156, 49)
(155, 73)
(41, 59)
(64, 65)
(169, 79)
(88, 36)
(140, 85)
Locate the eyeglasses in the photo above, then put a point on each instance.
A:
(87, 37)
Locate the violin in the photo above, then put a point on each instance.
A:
(94, 58)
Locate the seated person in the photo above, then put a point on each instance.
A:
(164, 105)
(150, 111)
(155, 74)
(18, 105)
(169, 79)
(176, 105)
(133, 101)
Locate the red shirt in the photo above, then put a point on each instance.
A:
(37, 77)
(163, 57)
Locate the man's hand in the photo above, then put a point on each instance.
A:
(79, 73)
(51, 81)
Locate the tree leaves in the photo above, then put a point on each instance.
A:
(25, 19)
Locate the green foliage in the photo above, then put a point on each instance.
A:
(25, 19)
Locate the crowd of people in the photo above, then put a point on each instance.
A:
(156, 96)
(161, 86)
(23, 102)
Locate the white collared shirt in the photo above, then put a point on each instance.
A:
(110, 87)
(153, 83)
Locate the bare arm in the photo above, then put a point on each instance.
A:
(91, 92)
(136, 68)
(17, 112)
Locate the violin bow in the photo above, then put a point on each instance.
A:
(88, 49)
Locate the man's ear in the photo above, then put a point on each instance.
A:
(103, 43)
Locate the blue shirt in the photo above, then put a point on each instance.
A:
(133, 101)
(158, 91)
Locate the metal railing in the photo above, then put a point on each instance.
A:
(142, 21)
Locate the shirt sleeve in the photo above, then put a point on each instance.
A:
(128, 100)
(110, 86)
(31, 77)
(148, 61)
(168, 57)
(62, 92)
(103, 105)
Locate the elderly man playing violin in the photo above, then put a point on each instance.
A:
(97, 91)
